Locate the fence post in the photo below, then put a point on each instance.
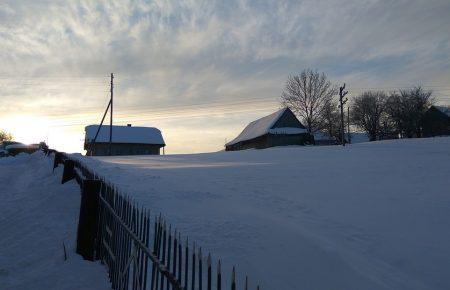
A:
(69, 171)
(88, 220)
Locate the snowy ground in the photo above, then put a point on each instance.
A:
(367, 216)
(38, 215)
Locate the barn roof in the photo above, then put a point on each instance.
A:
(445, 110)
(125, 134)
(264, 126)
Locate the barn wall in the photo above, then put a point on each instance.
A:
(289, 139)
(102, 149)
(435, 123)
(272, 140)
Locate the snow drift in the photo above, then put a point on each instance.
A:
(367, 216)
(37, 216)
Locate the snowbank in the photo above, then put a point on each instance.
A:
(367, 216)
(37, 216)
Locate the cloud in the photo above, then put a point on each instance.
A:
(56, 55)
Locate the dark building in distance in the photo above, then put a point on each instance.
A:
(281, 128)
(436, 122)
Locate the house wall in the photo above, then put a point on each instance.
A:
(102, 149)
(435, 123)
(257, 143)
(272, 140)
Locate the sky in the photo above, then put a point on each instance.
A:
(201, 70)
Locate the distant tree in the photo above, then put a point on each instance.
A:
(329, 122)
(4, 136)
(308, 95)
(406, 110)
(395, 111)
(368, 113)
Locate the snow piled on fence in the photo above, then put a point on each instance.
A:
(38, 215)
(367, 216)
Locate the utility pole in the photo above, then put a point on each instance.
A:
(342, 94)
(111, 115)
(348, 126)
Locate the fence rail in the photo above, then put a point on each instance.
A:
(140, 252)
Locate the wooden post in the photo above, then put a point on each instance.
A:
(342, 94)
(111, 116)
(57, 160)
(348, 126)
(69, 171)
(88, 219)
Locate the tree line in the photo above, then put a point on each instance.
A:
(381, 115)
(4, 136)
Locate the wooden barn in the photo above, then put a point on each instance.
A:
(126, 140)
(281, 128)
(436, 122)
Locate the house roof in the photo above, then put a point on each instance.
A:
(264, 126)
(445, 110)
(125, 134)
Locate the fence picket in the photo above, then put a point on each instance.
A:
(163, 260)
(147, 243)
(200, 270)
(169, 248)
(175, 250)
(208, 261)
(186, 265)
(180, 257)
(219, 277)
(193, 268)
(233, 279)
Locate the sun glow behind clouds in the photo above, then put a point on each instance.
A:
(201, 70)
(31, 129)
(27, 129)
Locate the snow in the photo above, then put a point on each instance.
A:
(287, 130)
(322, 136)
(261, 127)
(356, 137)
(359, 137)
(365, 216)
(445, 110)
(125, 134)
(37, 216)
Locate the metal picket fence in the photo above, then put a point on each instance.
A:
(144, 252)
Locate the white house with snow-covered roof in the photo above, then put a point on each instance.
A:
(126, 140)
(281, 128)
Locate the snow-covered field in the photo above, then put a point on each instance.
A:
(38, 215)
(367, 216)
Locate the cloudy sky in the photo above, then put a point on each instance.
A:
(201, 70)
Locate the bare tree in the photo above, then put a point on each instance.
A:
(4, 136)
(330, 120)
(368, 113)
(406, 110)
(308, 95)
(394, 109)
